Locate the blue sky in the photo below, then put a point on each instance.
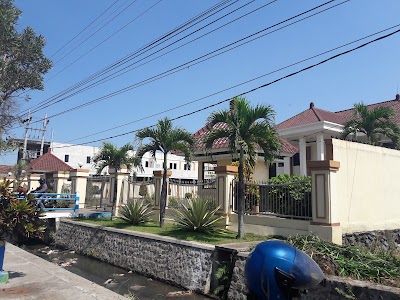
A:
(369, 74)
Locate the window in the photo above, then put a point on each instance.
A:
(175, 166)
(146, 163)
(66, 158)
(88, 159)
(172, 166)
(209, 175)
(281, 164)
(186, 167)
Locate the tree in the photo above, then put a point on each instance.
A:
(22, 66)
(114, 157)
(165, 138)
(373, 123)
(248, 130)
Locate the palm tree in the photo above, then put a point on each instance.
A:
(372, 122)
(165, 138)
(248, 130)
(114, 157)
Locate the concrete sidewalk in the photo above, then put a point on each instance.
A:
(32, 277)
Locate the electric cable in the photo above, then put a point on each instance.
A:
(163, 37)
(236, 85)
(253, 89)
(195, 61)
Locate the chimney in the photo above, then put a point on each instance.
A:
(397, 97)
(311, 105)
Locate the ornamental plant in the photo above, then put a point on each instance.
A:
(197, 216)
(19, 218)
(136, 212)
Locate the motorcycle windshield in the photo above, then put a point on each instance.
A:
(305, 271)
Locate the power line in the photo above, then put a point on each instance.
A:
(239, 84)
(83, 30)
(199, 59)
(154, 42)
(253, 89)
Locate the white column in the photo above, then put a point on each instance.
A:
(286, 165)
(320, 147)
(303, 156)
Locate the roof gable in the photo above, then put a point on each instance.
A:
(314, 115)
(223, 143)
(48, 162)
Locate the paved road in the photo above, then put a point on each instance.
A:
(33, 278)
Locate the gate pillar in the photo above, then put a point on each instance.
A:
(78, 184)
(225, 177)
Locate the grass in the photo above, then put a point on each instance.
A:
(215, 238)
(349, 261)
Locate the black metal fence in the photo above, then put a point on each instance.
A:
(289, 200)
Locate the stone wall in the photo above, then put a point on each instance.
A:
(189, 264)
(182, 263)
(334, 288)
(380, 239)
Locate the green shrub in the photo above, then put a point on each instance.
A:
(188, 195)
(149, 199)
(196, 216)
(293, 193)
(173, 201)
(136, 212)
(19, 219)
(143, 190)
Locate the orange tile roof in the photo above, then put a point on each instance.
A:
(221, 143)
(48, 162)
(313, 114)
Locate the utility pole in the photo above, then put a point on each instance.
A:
(45, 122)
(27, 129)
(27, 121)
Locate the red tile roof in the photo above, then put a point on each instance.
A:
(313, 115)
(48, 162)
(5, 169)
(221, 143)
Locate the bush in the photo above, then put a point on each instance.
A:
(136, 212)
(293, 193)
(19, 219)
(143, 190)
(188, 195)
(173, 202)
(196, 216)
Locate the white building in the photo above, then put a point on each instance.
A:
(78, 156)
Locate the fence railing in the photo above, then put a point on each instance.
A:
(182, 190)
(56, 201)
(289, 200)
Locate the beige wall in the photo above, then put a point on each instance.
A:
(366, 187)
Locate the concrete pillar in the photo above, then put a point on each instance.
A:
(320, 147)
(78, 184)
(122, 186)
(158, 176)
(286, 165)
(325, 205)
(33, 181)
(225, 177)
(303, 156)
(60, 178)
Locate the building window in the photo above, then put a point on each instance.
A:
(88, 159)
(186, 167)
(209, 175)
(66, 158)
(172, 166)
(175, 166)
(281, 164)
(146, 164)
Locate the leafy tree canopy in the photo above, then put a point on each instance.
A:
(22, 65)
